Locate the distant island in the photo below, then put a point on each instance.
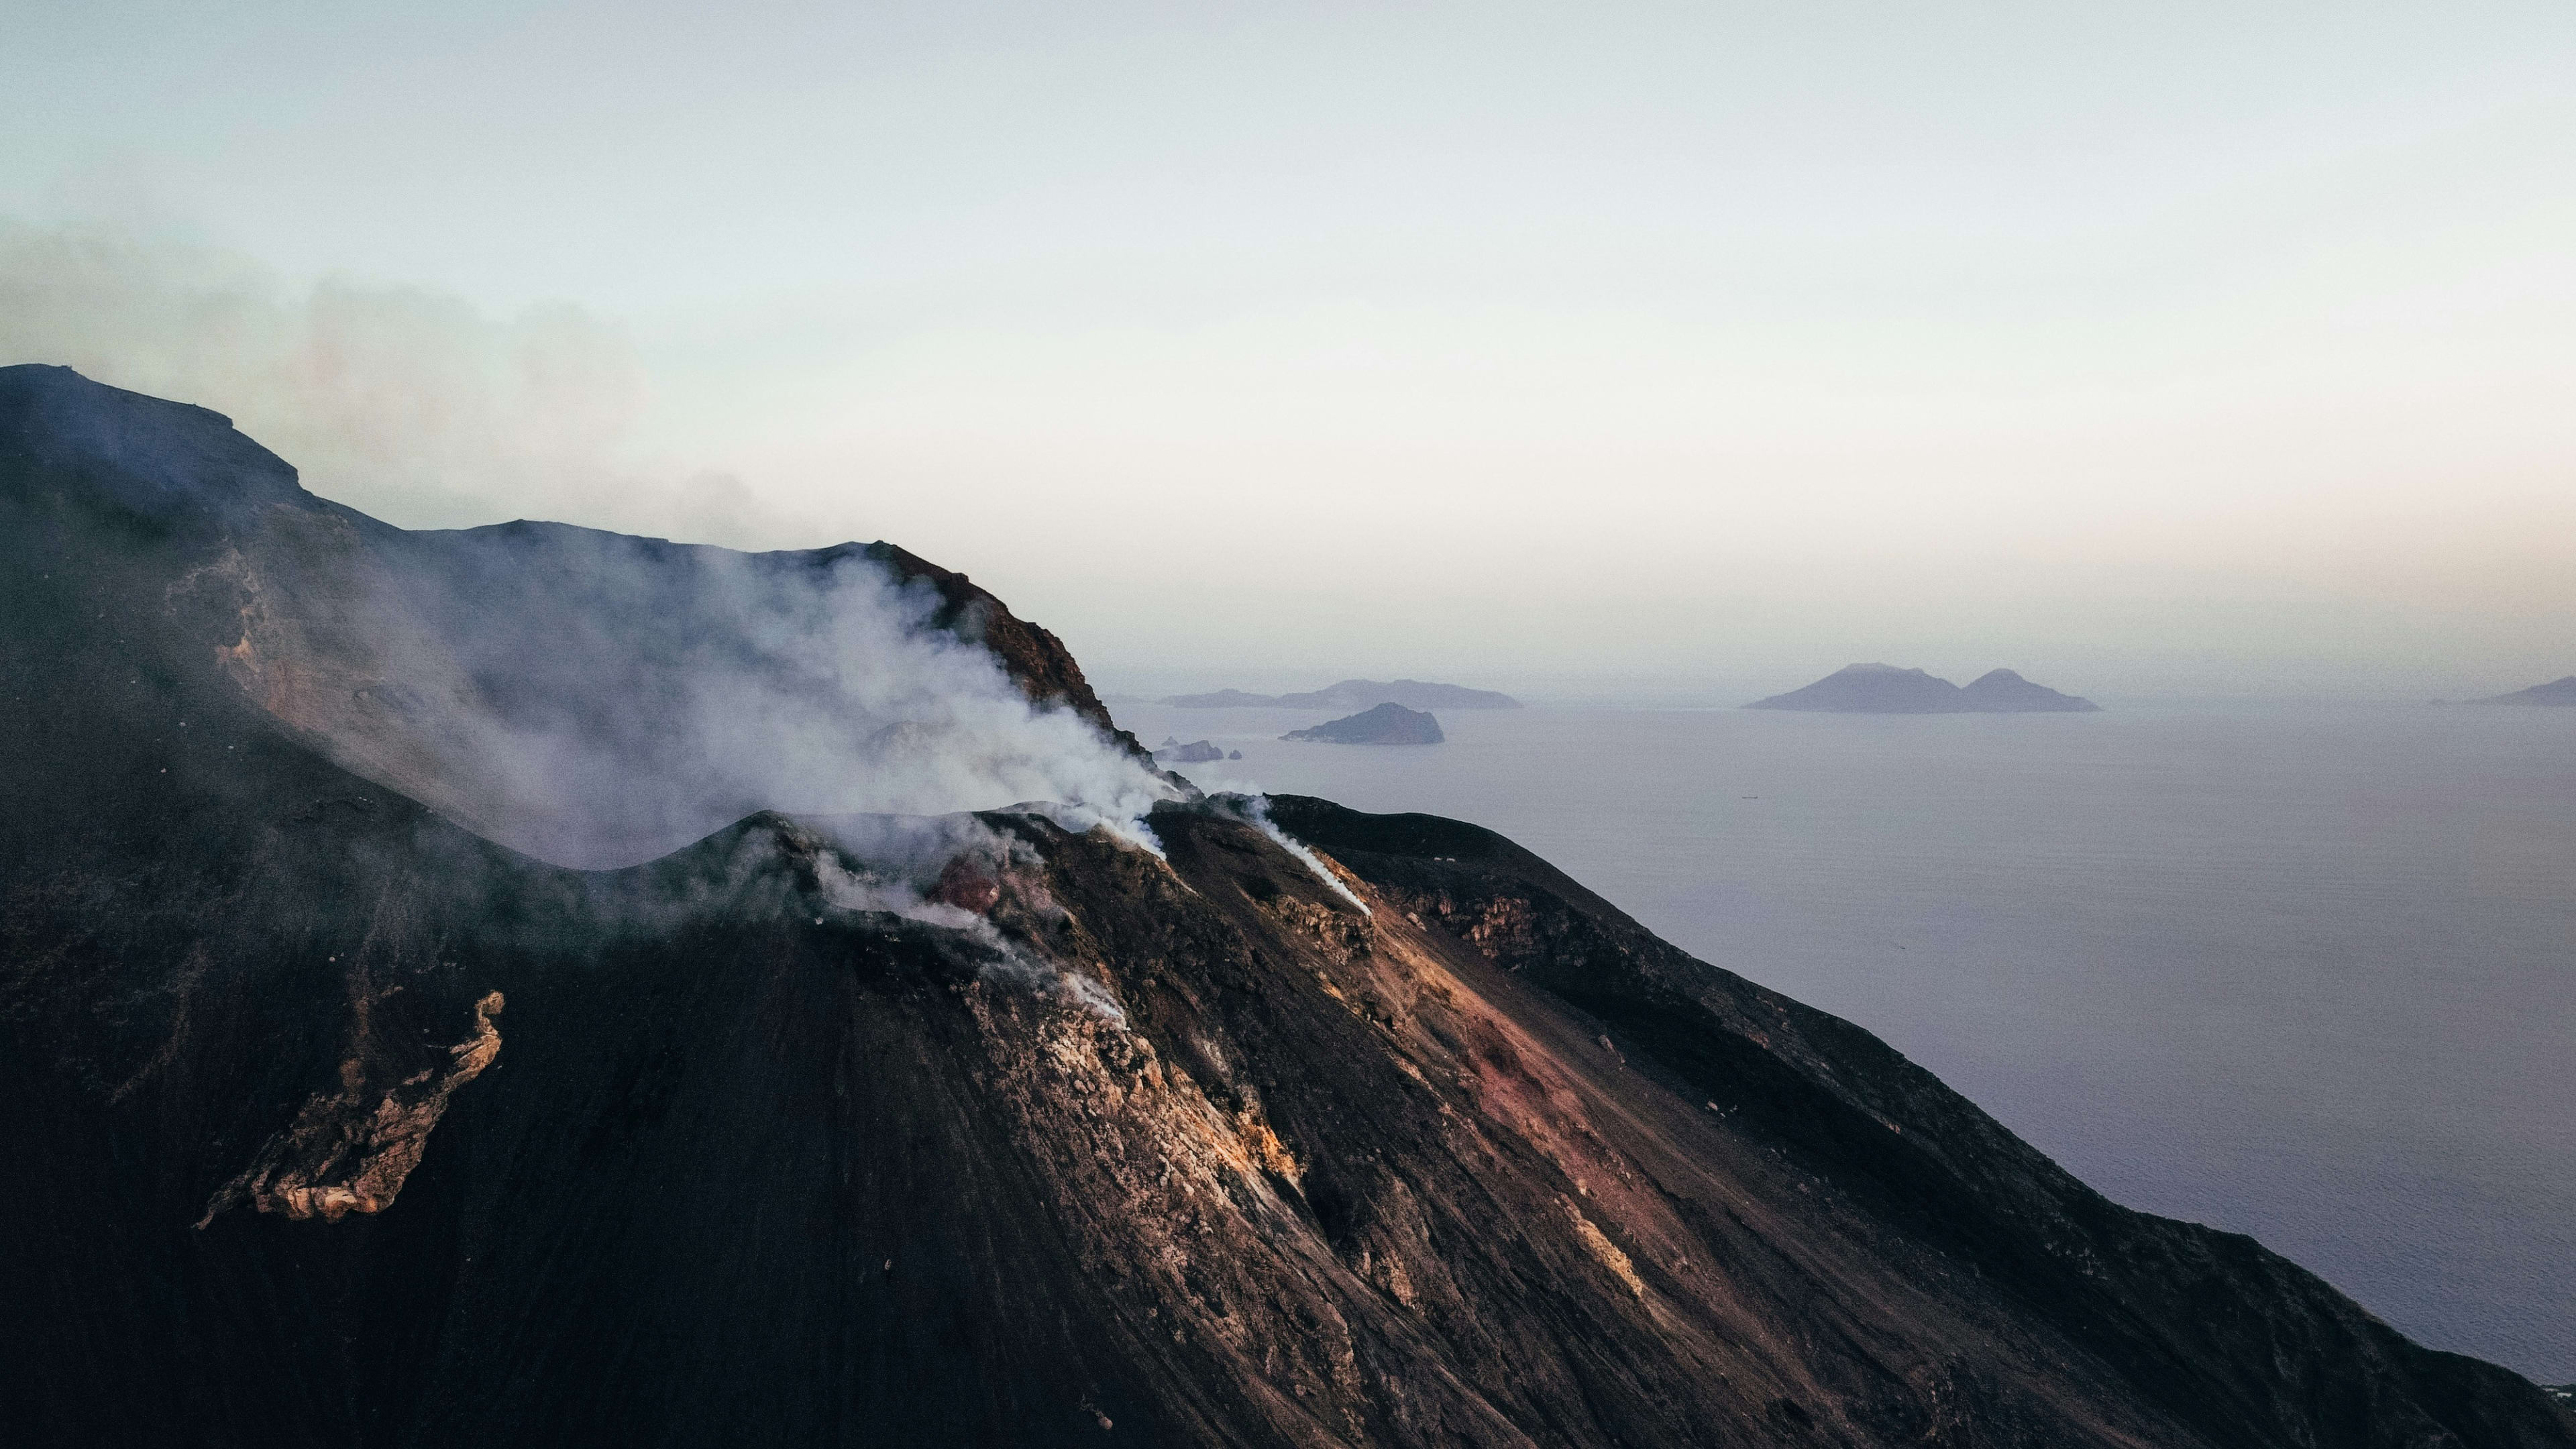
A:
(1354, 694)
(1886, 689)
(2557, 694)
(1196, 752)
(1388, 724)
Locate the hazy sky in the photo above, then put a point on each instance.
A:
(2147, 348)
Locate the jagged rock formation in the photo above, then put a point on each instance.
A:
(1886, 689)
(976, 1129)
(1354, 694)
(2560, 693)
(350, 1150)
(1388, 724)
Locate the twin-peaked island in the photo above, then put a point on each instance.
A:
(1886, 689)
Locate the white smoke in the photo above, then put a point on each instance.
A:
(627, 697)
(863, 886)
(893, 864)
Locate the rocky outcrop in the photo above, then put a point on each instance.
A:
(350, 1150)
(995, 1128)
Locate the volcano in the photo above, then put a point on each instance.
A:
(518, 987)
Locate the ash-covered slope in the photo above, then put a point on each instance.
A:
(976, 1128)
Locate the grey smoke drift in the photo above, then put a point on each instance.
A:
(598, 700)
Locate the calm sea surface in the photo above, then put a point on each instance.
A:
(2305, 972)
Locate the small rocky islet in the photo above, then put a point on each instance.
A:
(1388, 724)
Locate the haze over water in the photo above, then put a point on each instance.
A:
(2302, 971)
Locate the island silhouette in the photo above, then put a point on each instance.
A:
(1388, 724)
(1888, 689)
(2557, 693)
(1353, 694)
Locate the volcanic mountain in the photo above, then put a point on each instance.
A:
(392, 1054)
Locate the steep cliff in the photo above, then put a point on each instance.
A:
(335, 1120)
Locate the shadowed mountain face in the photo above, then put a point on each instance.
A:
(335, 1121)
(1886, 689)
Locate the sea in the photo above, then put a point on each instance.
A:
(2300, 970)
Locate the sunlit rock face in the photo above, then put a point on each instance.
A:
(1137, 1118)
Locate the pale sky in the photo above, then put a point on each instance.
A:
(2148, 349)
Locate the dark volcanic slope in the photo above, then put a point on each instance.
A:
(1100, 1148)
